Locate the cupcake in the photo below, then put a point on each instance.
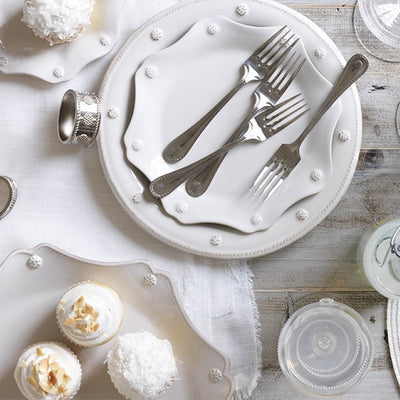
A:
(141, 366)
(89, 314)
(57, 21)
(48, 371)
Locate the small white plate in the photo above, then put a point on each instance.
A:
(176, 86)
(29, 292)
(129, 184)
(24, 53)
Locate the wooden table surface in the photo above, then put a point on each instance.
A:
(324, 260)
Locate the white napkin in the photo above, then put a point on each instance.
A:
(64, 200)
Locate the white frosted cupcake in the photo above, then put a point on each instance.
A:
(57, 21)
(141, 366)
(48, 371)
(89, 314)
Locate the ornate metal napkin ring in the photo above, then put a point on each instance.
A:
(79, 118)
(12, 198)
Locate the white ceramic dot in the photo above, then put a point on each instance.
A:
(215, 375)
(320, 52)
(151, 72)
(113, 112)
(216, 240)
(59, 72)
(3, 61)
(302, 214)
(344, 136)
(150, 280)
(256, 219)
(181, 207)
(137, 198)
(105, 40)
(316, 175)
(137, 145)
(242, 10)
(212, 29)
(34, 261)
(157, 34)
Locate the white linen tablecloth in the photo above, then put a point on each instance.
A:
(64, 200)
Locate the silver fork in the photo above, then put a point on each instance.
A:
(274, 120)
(271, 89)
(261, 63)
(286, 158)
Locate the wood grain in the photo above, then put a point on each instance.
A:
(323, 262)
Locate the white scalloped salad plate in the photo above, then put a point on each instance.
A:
(184, 80)
(130, 185)
(23, 53)
(29, 297)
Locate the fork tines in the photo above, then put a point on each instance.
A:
(270, 178)
(275, 119)
(284, 73)
(271, 52)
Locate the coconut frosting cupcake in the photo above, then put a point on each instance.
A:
(57, 21)
(48, 371)
(141, 366)
(89, 314)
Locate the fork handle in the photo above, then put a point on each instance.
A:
(165, 184)
(353, 70)
(180, 146)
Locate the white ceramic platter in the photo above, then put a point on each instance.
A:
(29, 296)
(196, 72)
(24, 53)
(118, 93)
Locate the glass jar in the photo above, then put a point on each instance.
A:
(378, 254)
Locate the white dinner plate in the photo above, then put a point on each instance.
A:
(187, 79)
(24, 53)
(130, 185)
(30, 291)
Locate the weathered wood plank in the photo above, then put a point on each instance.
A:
(379, 106)
(274, 309)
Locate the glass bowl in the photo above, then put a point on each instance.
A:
(377, 26)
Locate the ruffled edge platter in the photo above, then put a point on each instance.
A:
(40, 276)
(30, 55)
(213, 240)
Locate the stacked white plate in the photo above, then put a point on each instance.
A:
(169, 74)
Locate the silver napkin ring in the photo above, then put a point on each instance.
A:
(79, 118)
(12, 196)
